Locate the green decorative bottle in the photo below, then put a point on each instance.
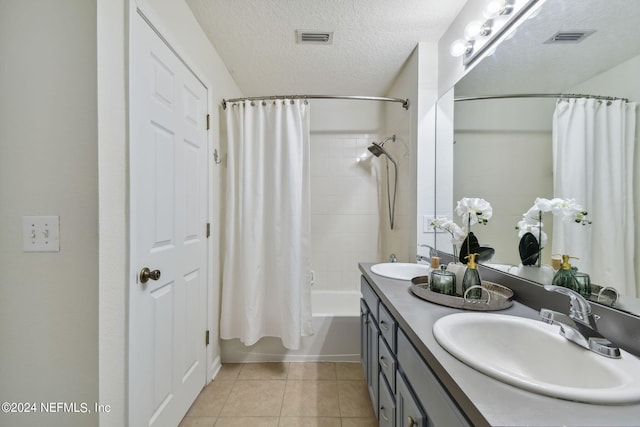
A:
(443, 281)
(565, 276)
(472, 278)
(584, 282)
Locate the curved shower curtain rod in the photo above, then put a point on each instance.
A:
(405, 102)
(539, 95)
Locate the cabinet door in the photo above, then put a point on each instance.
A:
(408, 412)
(386, 404)
(440, 408)
(364, 330)
(372, 358)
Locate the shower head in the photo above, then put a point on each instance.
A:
(376, 148)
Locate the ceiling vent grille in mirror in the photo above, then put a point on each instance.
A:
(564, 37)
(314, 37)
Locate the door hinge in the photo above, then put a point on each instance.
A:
(208, 229)
(206, 338)
(208, 119)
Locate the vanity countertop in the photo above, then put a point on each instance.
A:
(485, 401)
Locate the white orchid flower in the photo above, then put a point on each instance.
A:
(474, 210)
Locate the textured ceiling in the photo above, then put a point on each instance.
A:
(525, 64)
(372, 40)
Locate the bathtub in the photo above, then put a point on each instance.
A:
(336, 338)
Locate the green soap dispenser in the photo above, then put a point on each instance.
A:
(565, 276)
(472, 278)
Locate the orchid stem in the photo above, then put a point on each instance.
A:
(539, 239)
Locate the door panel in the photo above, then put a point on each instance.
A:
(168, 202)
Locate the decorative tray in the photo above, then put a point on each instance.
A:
(496, 297)
(604, 295)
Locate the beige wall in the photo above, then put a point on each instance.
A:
(48, 166)
(502, 153)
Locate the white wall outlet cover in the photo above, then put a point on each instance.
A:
(41, 233)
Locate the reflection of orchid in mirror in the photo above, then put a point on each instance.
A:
(566, 209)
(532, 225)
(457, 234)
(474, 210)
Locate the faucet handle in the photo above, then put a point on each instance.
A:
(579, 307)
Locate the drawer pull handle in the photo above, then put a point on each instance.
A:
(384, 417)
(411, 422)
(383, 325)
(384, 363)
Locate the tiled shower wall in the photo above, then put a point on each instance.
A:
(345, 208)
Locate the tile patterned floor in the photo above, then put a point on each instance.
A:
(284, 395)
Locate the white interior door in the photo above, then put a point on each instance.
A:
(168, 181)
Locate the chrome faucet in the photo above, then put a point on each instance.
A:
(580, 325)
(393, 258)
(422, 258)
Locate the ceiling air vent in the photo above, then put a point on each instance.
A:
(314, 37)
(569, 36)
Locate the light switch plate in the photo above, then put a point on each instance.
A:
(426, 224)
(41, 233)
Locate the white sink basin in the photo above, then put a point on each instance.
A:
(532, 355)
(400, 270)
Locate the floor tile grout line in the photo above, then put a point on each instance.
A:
(335, 380)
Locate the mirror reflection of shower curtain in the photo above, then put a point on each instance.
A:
(593, 159)
(267, 261)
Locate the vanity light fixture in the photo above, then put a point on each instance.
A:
(481, 37)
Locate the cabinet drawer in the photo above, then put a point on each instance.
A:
(386, 405)
(387, 326)
(387, 362)
(439, 407)
(369, 296)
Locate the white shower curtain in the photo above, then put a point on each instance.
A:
(267, 263)
(593, 159)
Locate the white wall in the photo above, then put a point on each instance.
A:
(48, 166)
(176, 22)
(345, 200)
(418, 82)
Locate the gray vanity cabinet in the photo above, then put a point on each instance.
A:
(403, 389)
(369, 340)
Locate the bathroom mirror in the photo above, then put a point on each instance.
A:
(508, 141)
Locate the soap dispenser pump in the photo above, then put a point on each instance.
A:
(472, 278)
(565, 276)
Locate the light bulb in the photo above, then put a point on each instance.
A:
(460, 47)
(472, 29)
(496, 8)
